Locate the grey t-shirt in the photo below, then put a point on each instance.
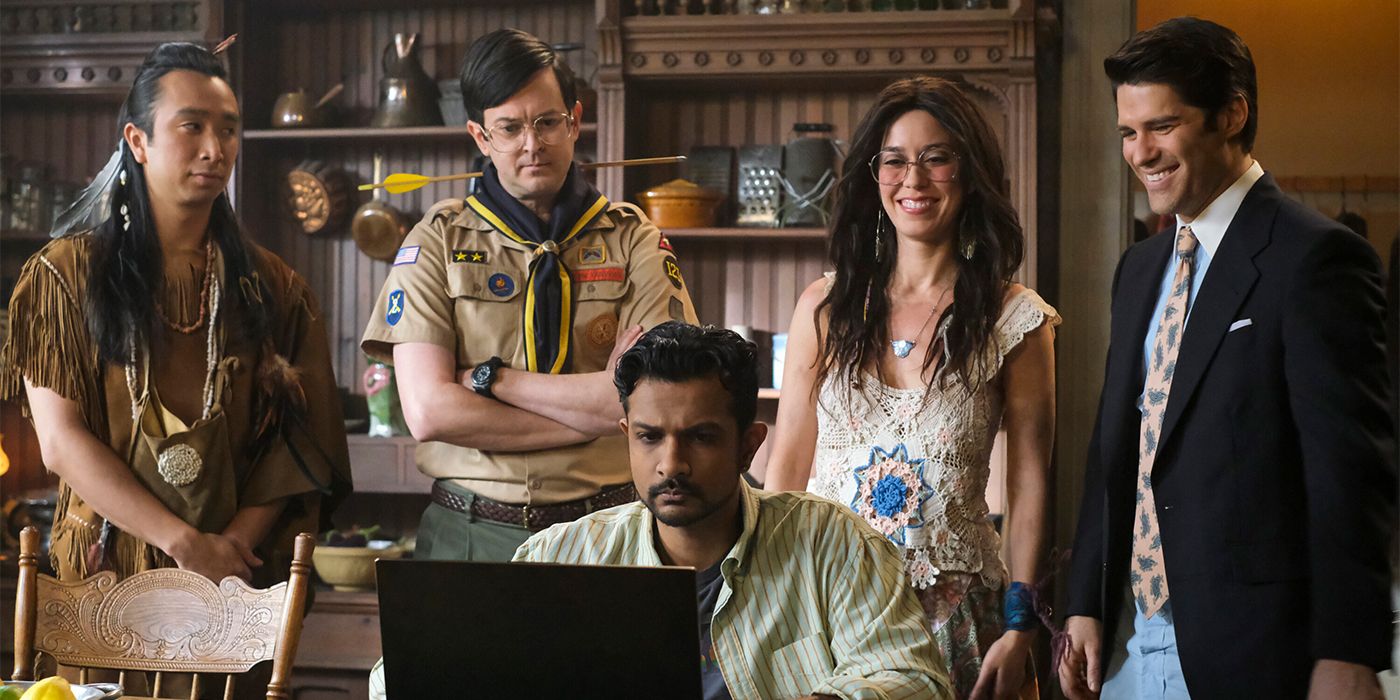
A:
(707, 587)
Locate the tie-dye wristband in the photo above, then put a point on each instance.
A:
(1018, 608)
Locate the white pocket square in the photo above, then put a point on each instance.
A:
(1240, 324)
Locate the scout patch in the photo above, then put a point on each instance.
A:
(469, 256)
(602, 330)
(673, 271)
(501, 284)
(665, 244)
(407, 255)
(396, 308)
(677, 309)
(593, 255)
(600, 274)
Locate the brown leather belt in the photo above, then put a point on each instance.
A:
(533, 518)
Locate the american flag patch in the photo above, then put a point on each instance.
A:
(406, 256)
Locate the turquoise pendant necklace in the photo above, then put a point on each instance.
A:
(902, 348)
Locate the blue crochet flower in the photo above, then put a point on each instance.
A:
(890, 492)
(890, 495)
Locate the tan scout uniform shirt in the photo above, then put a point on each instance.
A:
(460, 284)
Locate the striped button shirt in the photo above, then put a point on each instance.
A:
(814, 600)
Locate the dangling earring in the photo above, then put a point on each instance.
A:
(879, 228)
(969, 247)
(126, 213)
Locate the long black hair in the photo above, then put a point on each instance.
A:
(127, 267)
(856, 336)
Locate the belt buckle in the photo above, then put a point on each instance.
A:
(525, 516)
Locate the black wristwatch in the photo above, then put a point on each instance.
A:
(485, 375)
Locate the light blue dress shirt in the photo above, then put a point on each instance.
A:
(1151, 667)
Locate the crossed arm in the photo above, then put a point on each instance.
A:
(532, 411)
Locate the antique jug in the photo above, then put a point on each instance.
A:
(407, 96)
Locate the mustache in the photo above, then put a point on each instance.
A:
(679, 484)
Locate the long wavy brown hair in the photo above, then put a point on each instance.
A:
(856, 335)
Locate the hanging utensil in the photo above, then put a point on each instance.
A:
(378, 229)
(399, 183)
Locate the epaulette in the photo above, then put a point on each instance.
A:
(628, 209)
(445, 208)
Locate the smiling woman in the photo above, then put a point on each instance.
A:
(924, 243)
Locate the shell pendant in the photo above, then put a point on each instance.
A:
(902, 348)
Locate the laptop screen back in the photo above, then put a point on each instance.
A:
(478, 629)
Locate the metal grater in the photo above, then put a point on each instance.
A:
(759, 188)
(712, 167)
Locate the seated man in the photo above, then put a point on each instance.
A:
(797, 595)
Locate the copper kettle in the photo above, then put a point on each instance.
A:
(407, 96)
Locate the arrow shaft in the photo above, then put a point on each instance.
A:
(467, 176)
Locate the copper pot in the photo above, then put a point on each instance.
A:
(378, 229)
(296, 109)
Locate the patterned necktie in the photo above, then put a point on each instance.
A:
(1149, 573)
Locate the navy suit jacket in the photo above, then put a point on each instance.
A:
(1275, 479)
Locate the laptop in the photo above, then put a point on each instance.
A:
(455, 629)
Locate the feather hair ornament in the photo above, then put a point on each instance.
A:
(91, 206)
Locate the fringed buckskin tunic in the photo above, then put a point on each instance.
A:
(285, 432)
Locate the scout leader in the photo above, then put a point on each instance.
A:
(503, 316)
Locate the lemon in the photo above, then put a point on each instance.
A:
(51, 688)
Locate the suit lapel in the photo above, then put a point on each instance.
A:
(1231, 275)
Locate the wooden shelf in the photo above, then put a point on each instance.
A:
(365, 133)
(756, 234)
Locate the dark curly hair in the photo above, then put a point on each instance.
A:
(677, 352)
(855, 337)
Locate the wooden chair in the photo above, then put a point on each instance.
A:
(161, 621)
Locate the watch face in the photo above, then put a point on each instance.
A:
(481, 375)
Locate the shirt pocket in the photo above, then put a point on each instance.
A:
(597, 310)
(486, 283)
(602, 290)
(486, 312)
(801, 666)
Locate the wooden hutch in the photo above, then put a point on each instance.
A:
(665, 82)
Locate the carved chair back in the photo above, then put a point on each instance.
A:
(162, 621)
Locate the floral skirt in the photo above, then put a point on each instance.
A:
(965, 616)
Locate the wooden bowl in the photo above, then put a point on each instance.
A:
(350, 568)
(681, 204)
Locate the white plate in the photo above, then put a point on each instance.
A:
(90, 691)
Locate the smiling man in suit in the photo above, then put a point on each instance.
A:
(1240, 488)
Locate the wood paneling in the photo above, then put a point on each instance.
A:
(753, 283)
(315, 52)
(74, 137)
